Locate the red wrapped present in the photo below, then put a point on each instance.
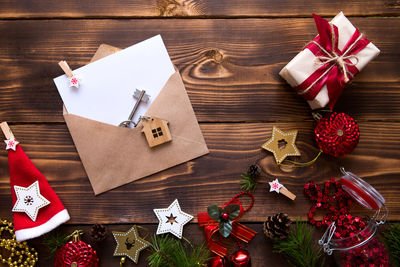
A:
(323, 68)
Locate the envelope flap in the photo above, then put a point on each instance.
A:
(173, 104)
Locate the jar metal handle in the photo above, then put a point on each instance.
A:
(327, 237)
(383, 218)
(325, 241)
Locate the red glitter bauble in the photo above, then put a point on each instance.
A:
(217, 261)
(76, 253)
(337, 134)
(240, 258)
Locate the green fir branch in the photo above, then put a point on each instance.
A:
(300, 248)
(391, 239)
(248, 183)
(167, 251)
(54, 240)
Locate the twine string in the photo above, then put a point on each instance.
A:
(295, 164)
(339, 60)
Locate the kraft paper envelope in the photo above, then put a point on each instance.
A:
(113, 156)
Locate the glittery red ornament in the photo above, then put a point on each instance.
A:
(76, 253)
(337, 134)
(240, 258)
(217, 261)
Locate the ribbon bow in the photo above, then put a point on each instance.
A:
(336, 64)
(239, 231)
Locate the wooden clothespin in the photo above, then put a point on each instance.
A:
(279, 188)
(6, 130)
(73, 79)
(156, 131)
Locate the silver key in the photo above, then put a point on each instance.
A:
(141, 96)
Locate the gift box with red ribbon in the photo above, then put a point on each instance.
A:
(330, 61)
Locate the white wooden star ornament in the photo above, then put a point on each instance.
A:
(74, 81)
(275, 186)
(279, 188)
(29, 200)
(172, 219)
(11, 144)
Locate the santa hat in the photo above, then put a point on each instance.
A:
(36, 207)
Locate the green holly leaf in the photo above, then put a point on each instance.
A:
(225, 228)
(214, 212)
(233, 210)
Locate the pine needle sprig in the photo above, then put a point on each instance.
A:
(54, 240)
(249, 181)
(300, 248)
(391, 239)
(170, 252)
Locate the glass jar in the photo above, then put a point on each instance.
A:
(360, 242)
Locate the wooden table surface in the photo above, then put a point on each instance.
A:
(229, 53)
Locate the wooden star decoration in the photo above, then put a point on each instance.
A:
(129, 244)
(29, 200)
(282, 144)
(172, 219)
(74, 81)
(275, 186)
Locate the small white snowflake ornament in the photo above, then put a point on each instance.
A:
(172, 219)
(74, 81)
(29, 200)
(11, 144)
(275, 186)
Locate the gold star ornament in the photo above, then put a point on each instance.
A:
(282, 144)
(129, 244)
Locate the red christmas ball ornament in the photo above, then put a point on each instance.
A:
(217, 261)
(337, 134)
(240, 258)
(76, 253)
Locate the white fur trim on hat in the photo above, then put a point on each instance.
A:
(29, 233)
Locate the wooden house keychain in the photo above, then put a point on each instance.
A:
(155, 129)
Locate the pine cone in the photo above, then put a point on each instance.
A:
(98, 232)
(253, 171)
(277, 226)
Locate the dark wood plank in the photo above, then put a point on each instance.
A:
(230, 67)
(192, 8)
(211, 179)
